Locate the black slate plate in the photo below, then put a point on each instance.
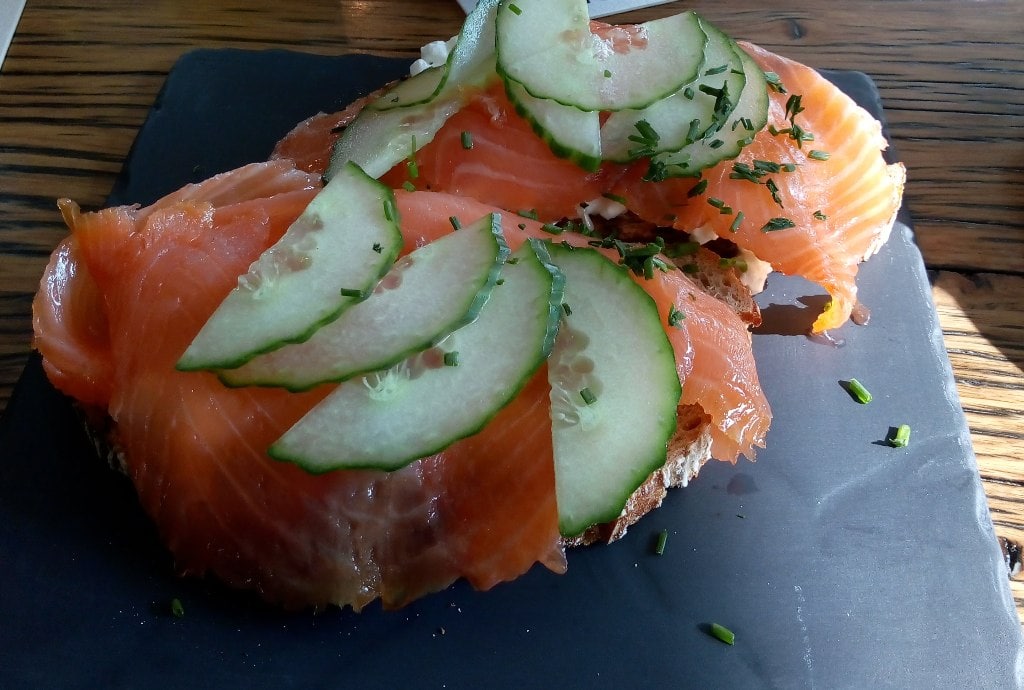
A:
(837, 560)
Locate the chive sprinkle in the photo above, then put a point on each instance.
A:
(177, 610)
(774, 189)
(588, 397)
(377, 248)
(566, 309)
(716, 70)
(456, 225)
(693, 131)
(858, 392)
(451, 359)
(818, 155)
(350, 292)
(818, 215)
(716, 202)
(512, 260)
(774, 82)
(551, 228)
(607, 73)
(723, 633)
(414, 169)
(777, 224)
(659, 547)
(675, 316)
(522, 226)
(901, 438)
(688, 93)
(467, 140)
(697, 189)
(530, 213)
(408, 186)
(514, 9)
(736, 222)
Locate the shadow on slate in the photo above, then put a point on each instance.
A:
(837, 561)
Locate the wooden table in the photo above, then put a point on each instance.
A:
(78, 82)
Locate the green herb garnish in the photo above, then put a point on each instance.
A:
(659, 547)
(774, 82)
(818, 155)
(901, 438)
(723, 633)
(818, 215)
(350, 292)
(858, 392)
(467, 140)
(675, 316)
(456, 224)
(777, 224)
(451, 359)
(177, 610)
(515, 9)
(588, 397)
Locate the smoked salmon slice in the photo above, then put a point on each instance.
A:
(195, 450)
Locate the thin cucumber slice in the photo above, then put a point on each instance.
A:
(380, 138)
(698, 110)
(427, 295)
(473, 47)
(389, 419)
(614, 390)
(547, 46)
(415, 90)
(569, 132)
(747, 119)
(329, 259)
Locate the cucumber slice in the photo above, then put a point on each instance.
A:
(612, 344)
(749, 117)
(569, 132)
(326, 262)
(473, 47)
(427, 295)
(378, 139)
(387, 420)
(548, 47)
(694, 112)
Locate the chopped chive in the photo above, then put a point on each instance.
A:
(777, 224)
(659, 547)
(818, 215)
(456, 225)
(858, 392)
(512, 260)
(377, 248)
(552, 229)
(767, 166)
(499, 281)
(698, 188)
(566, 309)
(716, 202)
(177, 610)
(522, 226)
(390, 212)
(789, 167)
(615, 197)
(716, 70)
(530, 213)
(688, 93)
(467, 140)
(774, 82)
(451, 359)
(408, 186)
(901, 438)
(736, 222)
(710, 90)
(691, 133)
(588, 397)
(742, 171)
(350, 292)
(774, 189)
(675, 316)
(793, 107)
(725, 210)
(646, 131)
(818, 155)
(747, 124)
(723, 633)
(733, 262)
(414, 169)
(514, 9)
(717, 143)
(607, 73)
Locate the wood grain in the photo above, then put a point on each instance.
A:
(79, 80)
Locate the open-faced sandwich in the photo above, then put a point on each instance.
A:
(491, 311)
